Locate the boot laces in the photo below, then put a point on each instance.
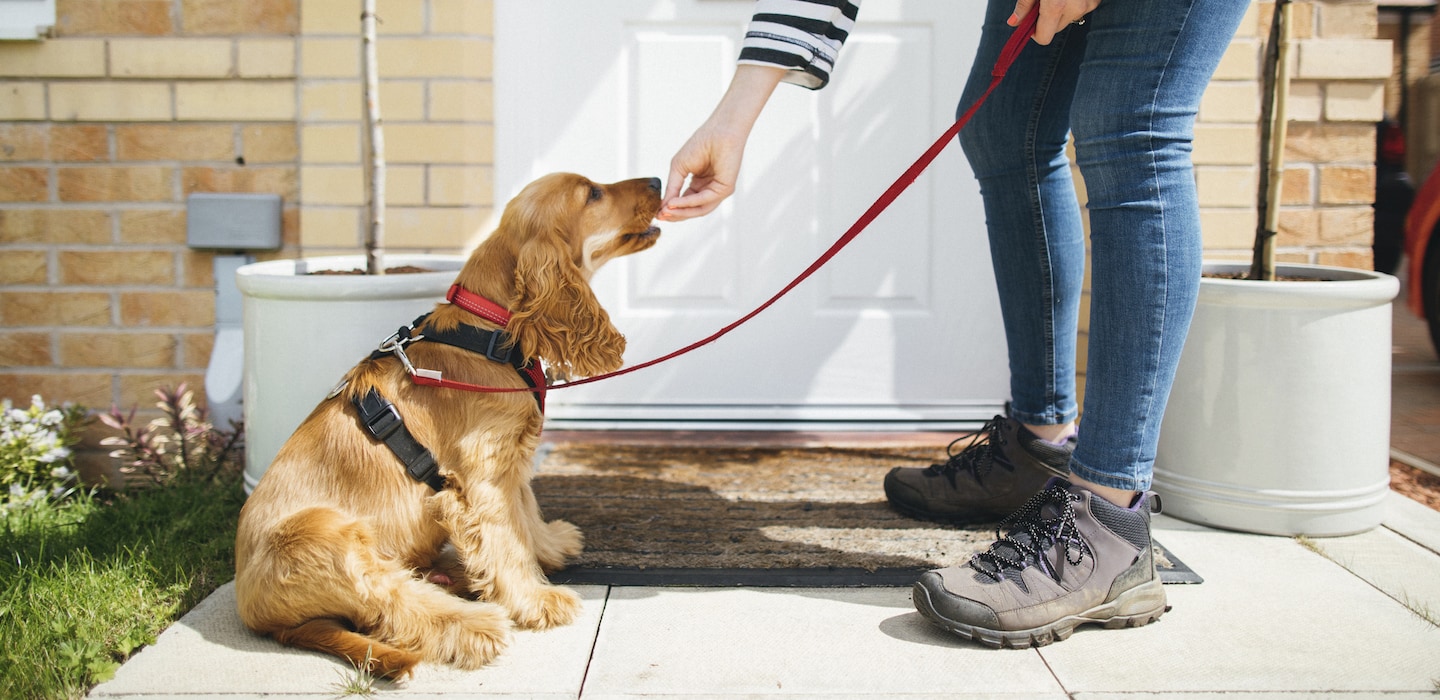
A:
(978, 455)
(1047, 519)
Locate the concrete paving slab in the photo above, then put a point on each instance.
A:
(209, 653)
(1415, 521)
(1404, 570)
(1272, 616)
(794, 642)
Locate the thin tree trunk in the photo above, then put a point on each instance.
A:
(1273, 122)
(375, 197)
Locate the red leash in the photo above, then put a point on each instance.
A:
(1008, 54)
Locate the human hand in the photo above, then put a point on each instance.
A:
(711, 158)
(1055, 15)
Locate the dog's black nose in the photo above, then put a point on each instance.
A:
(655, 184)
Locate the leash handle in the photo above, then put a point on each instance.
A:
(1011, 51)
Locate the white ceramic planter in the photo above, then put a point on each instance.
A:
(1279, 420)
(302, 332)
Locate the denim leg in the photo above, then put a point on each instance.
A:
(1145, 68)
(1015, 144)
(1128, 83)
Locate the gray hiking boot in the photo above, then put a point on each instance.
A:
(1002, 466)
(1070, 557)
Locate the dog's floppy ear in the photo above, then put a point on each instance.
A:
(557, 317)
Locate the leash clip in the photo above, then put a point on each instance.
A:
(396, 343)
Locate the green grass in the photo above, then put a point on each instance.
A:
(85, 584)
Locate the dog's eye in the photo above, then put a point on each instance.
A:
(595, 193)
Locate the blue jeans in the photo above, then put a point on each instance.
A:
(1127, 83)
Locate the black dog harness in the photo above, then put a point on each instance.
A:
(382, 420)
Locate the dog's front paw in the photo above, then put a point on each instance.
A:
(551, 606)
(560, 543)
(479, 635)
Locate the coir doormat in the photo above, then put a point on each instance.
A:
(761, 516)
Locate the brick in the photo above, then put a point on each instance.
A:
(112, 268)
(1344, 184)
(79, 143)
(114, 17)
(1302, 19)
(68, 308)
(153, 226)
(190, 308)
(329, 17)
(24, 267)
(268, 143)
(330, 101)
(329, 227)
(325, 184)
(198, 270)
(1226, 144)
(1225, 187)
(188, 142)
(462, 186)
(225, 17)
(399, 17)
(1330, 143)
(235, 101)
(22, 142)
(116, 184)
(440, 143)
(1241, 61)
(1298, 227)
(110, 102)
(1306, 101)
(436, 57)
(171, 58)
(20, 184)
(1297, 186)
(1348, 20)
(25, 349)
(195, 350)
(330, 143)
(330, 58)
(1230, 101)
(1347, 225)
(405, 185)
(123, 349)
(85, 389)
(22, 101)
(272, 179)
(1227, 228)
(402, 100)
(266, 58)
(443, 229)
(54, 226)
(54, 58)
(1355, 101)
(1345, 59)
(1354, 259)
(453, 100)
(463, 16)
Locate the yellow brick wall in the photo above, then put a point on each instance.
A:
(105, 129)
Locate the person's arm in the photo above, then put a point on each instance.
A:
(794, 41)
(1054, 15)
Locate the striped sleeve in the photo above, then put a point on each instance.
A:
(802, 36)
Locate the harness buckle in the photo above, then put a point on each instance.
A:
(381, 418)
(493, 351)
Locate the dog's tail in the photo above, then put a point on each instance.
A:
(335, 637)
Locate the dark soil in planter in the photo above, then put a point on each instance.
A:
(400, 270)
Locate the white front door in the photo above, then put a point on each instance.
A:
(901, 328)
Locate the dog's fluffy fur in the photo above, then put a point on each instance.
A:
(337, 546)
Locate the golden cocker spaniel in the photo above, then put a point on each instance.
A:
(336, 546)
